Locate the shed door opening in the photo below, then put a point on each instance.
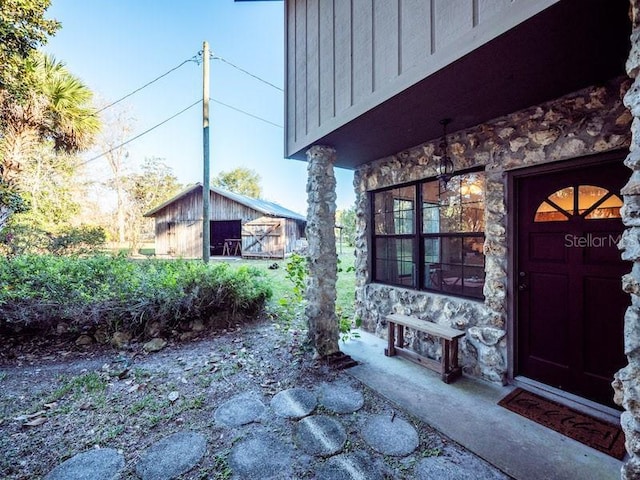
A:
(222, 231)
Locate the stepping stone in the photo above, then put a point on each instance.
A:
(352, 466)
(263, 456)
(456, 465)
(172, 456)
(390, 435)
(320, 435)
(239, 410)
(294, 403)
(99, 464)
(340, 397)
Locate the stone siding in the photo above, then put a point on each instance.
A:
(322, 260)
(591, 121)
(627, 381)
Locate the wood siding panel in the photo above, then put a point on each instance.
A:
(342, 55)
(488, 9)
(290, 70)
(326, 52)
(301, 70)
(453, 19)
(362, 75)
(346, 57)
(313, 64)
(415, 33)
(385, 42)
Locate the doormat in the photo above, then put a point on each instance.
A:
(599, 434)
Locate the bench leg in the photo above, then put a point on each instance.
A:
(450, 368)
(390, 351)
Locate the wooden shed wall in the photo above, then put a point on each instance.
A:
(179, 224)
(346, 57)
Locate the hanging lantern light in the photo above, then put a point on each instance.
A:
(445, 165)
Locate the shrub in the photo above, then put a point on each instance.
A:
(19, 239)
(38, 291)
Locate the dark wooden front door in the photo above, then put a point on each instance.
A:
(570, 306)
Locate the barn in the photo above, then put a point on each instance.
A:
(239, 226)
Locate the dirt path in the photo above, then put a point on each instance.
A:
(65, 400)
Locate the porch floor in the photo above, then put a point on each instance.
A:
(467, 411)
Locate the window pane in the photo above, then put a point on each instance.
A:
(564, 199)
(430, 218)
(548, 213)
(610, 208)
(452, 250)
(394, 211)
(394, 261)
(473, 281)
(590, 195)
(462, 204)
(452, 278)
(432, 250)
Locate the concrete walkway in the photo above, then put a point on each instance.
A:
(467, 411)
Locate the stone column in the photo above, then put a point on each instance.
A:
(627, 380)
(322, 257)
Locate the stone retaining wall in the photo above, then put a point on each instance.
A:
(591, 121)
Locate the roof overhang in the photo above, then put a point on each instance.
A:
(569, 46)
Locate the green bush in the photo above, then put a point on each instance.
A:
(19, 239)
(38, 291)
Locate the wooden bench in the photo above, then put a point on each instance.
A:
(448, 366)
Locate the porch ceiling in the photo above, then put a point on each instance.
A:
(569, 46)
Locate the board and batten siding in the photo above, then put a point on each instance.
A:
(179, 226)
(345, 57)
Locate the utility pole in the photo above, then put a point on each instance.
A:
(206, 199)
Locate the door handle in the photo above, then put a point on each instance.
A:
(522, 286)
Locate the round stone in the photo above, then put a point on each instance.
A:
(99, 464)
(390, 435)
(294, 403)
(320, 435)
(348, 467)
(263, 456)
(172, 456)
(341, 397)
(456, 465)
(239, 410)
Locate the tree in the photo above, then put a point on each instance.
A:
(155, 184)
(117, 129)
(23, 28)
(239, 180)
(56, 112)
(52, 186)
(347, 220)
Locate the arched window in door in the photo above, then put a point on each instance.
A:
(588, 201)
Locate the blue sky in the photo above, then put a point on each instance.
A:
(117, 46)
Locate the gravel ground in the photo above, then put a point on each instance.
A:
(58, 399)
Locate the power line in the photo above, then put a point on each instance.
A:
(215, 57)
(246, 113)
(141, 134)
(192, 59)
